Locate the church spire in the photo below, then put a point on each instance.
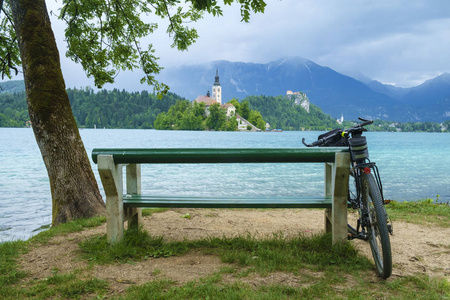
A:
(216, 89)
(216, 81)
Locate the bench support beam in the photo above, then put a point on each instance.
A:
(341, 173)
(133, 214)
(111, 176)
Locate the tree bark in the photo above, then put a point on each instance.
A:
(73, 186)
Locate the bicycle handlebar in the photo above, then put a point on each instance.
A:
(357, 127)
(316, 143)
(364, 123)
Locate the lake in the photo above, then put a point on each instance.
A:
(413, 166)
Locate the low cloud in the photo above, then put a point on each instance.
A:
(397, 42)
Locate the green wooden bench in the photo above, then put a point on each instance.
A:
(121, 207)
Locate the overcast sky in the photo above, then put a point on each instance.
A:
(402, 43)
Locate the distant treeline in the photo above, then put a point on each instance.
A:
(379, 125)
(103, 109)
(121, 109)
(13, 110)
(118, 109)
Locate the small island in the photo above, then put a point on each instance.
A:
(207, 112)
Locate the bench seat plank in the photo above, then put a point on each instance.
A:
(227, 202)
(219, 155)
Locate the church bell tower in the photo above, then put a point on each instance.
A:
(216, 89)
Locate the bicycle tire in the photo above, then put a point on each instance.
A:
(377, 228)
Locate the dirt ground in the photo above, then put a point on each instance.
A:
(415, 248)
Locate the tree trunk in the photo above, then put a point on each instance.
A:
(74, 190)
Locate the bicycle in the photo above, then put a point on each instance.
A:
(365, 195)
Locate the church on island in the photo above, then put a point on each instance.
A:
(216, 97)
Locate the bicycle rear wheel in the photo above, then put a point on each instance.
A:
(376, 225)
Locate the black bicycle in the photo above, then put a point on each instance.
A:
(365, 194)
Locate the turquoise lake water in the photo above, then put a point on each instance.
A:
(413, 166)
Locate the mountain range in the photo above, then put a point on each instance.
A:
(335, 93)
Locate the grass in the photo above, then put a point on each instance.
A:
(151, 211)
(317, 288)
(66, 286)
(9, 272)
(318, 270)
(267, 255)
(64, 229)
(421, 212)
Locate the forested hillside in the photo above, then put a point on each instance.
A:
(282, 113)
(118, 109)
(109, 109)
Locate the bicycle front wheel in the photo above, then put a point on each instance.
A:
(376, 225)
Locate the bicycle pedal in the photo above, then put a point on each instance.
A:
(390, 229)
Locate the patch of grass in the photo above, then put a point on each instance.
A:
(280, 254)
(186, 216)
(271, 254)
(64, 229)
(210, 289)
(278, 291)
(10, 275)
(66, 286)
(192, 290)
(136, 245)
(421, 212)
(9, 272)
(151, 211)
(227, 270)
(409, 287)
(156, 272)
(9, 251)
(430, 288)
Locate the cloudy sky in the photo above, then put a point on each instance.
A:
(398, 42)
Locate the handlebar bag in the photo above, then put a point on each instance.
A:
(333, 141)
(358, 147)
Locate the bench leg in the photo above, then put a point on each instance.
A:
(111, 176)
(328, 192)
(328, 220)
(133, 214)
(341, 173)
